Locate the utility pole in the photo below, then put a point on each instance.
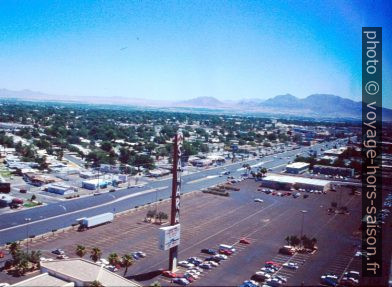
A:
(175, 198)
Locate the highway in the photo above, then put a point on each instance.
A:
(13, 226)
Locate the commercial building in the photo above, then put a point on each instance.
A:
(60, 188)
(75, 272)
(93, 184)
(335, 151)
(297, 167)
(288, 182)
(332, 170)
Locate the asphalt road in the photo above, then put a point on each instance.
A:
(13, 226)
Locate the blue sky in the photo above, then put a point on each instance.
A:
(175, 50)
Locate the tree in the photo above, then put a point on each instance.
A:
(33, 197)
(113, 258)
(14, 248)
(155, 284)
(95, 283)
(22, 266)
(35, 256)
(287, 240)
(127, 261)
(162, 216)
(106, 146)
(151, 214)
(80, 250)
(96, 254)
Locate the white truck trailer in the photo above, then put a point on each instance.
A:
(88, 222)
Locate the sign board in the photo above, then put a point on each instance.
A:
(169, 237)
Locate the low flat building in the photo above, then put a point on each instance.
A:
(44, 279)
(297, 167)
(59, 188)
(83, 272)
(287, 182)
(332, 170)
(93, 184)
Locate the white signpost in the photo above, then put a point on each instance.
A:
(169, 237)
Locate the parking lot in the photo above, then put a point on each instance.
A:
(209, 220)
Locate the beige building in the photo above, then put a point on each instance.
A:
(75, 272)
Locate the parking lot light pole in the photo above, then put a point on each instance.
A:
(302, 224)
(28, 219)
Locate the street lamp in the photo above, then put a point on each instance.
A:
(27, 219)
(302, 223)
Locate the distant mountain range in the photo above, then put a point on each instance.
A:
(317, 105)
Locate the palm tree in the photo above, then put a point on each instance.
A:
(287, 240)
(22, 266)
(80, 250)
(155, 284)
(35, 256)
(96, 254)
(95, 283)
(14, 248)
(127, 261)
(113, 258)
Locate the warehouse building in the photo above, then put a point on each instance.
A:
(93, 184)
(288, 182)
(297, 167)
(332, 170)
(59, 188)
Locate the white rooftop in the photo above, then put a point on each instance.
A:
(298, 165)
(86, 271)
(293, 179)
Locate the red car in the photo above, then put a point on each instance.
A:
(272, 263)
(244, 241)
(170, 274)
(225, 252)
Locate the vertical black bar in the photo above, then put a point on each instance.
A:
(174, 216)
(371, 151)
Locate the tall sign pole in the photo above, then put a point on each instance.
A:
(176, 191)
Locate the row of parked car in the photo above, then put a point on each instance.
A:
(267, 277)
(350, 278)
(195, 265)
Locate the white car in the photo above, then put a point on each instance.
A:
(290, 265)
(111, 268)
(104, 261)
(221, 256)
(194, 275)
(213, 263)
(263, 274)
(258, 200)
(186, 264)
(194, 272)
(267, 270)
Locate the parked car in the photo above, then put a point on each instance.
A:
(291, 265)
(181, 281)
(186, 264)
(212, 263)
(170, 274)
(221, 256)
(62, 256)
(225, 252)
(209, 251)
(258, 200)
(205, 266)
(58, 251)
(244, 241)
